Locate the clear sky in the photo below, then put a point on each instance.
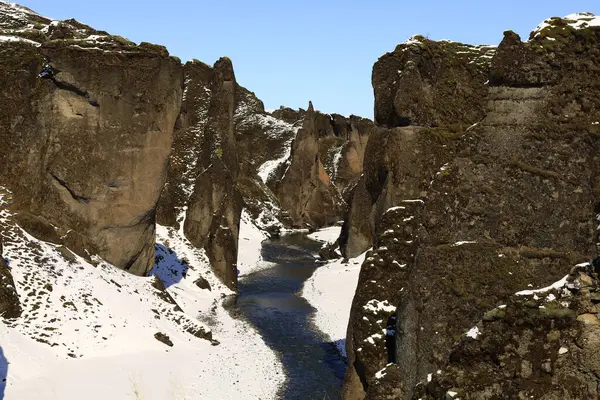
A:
(289, 52)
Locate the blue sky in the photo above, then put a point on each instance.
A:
(289, 52)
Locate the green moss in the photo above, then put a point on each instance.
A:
(535, 171)
(495, 314)
(555, 310)
(121, 40)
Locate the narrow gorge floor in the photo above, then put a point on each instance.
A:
(270, 300)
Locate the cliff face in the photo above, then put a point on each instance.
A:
(215, 206)
(540, 345)
(326, 160)
(423, 82)
(9, 300)
(86, 147)
(440, 86)
(305, 189)
(506, 204)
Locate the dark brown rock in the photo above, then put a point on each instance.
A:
(202, 283)
(85, 150)
(305, 190)
(540, 346)
(9, 299)
(429, 83)
(161, 337)
(213, 215)
(510, 204)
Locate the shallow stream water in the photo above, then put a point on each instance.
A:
(270, 300)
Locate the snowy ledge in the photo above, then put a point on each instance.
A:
(331, 290)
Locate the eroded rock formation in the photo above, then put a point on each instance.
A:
(213, 215)
(85, 149)
(506, 204)
(537, 345)
(326, 160)
(429, 83)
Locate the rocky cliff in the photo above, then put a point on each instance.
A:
(326, 159)
(503, 205)
(540, 344)
(9, 300)
(85, 148)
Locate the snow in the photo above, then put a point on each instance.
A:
(556, 285)
(579, 21)
(474, 332)
(463, 242)
(249, 247)
(376, 306)
(18, 39)
(276, 128)
(331, 290)
(337, 159)
(381, 373)
(414, 39)
(327, 235)
(87, 329)
(394, 209)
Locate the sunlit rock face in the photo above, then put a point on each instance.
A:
(85, 147)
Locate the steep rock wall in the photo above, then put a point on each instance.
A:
(213, 214)
(429, 83)
(86, 148)
(305, 189)
(512, 206)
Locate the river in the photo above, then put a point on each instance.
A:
(270, 300)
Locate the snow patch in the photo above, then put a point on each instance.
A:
(576, 21)
(88, 323)
(326, 235)
(376, 306)
(474, 332)
(556, 285)
(460, 243)
(249, 258)
(331, 290)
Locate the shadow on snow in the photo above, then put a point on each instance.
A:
(3, 372)
(168, 267)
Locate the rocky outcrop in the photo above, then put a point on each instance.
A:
(428, 83)
(510, 204)
(326, 160)
(9, 299)
(345, 163)
(305, 190)
(440, 86)
(538, 345)
(399, 165)
(214, 209)
(187, 139)
(85, 149)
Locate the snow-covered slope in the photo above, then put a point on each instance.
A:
(331, 290)
(88, 329)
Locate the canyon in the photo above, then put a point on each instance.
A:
(475, 185)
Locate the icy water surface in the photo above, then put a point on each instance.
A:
(270, 300)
